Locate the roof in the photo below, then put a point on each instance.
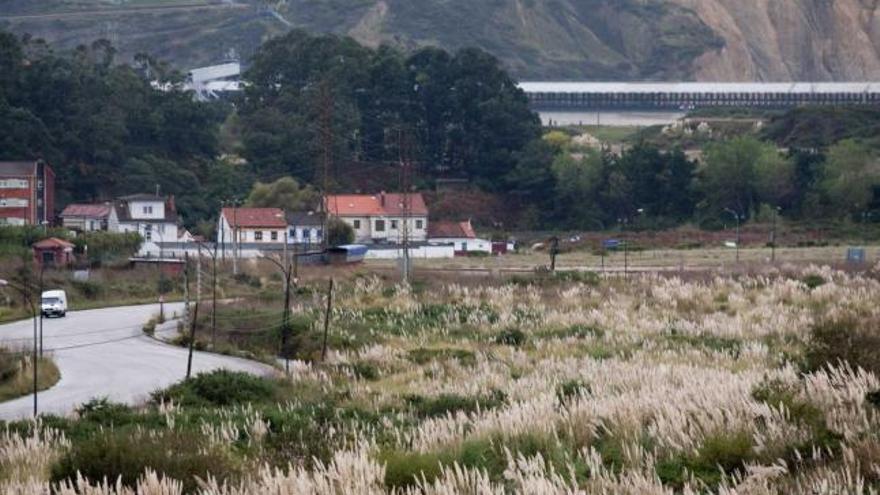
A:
(255, 217)
(142, 197)
(305, 218)
(453, 230)
(124, 214)
(86, 210)
(17, 168)
(382, 204)
(214, 72)
(700, 87)
(53, 242)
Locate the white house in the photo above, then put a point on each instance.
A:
(461, 235)
(153, 217)
(252, 225)
(306, 228)
(379, 218)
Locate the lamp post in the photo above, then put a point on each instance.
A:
(737, 217)
(27, 293)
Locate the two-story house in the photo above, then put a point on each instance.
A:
(379, 218)
(252, 225)
(153, 217)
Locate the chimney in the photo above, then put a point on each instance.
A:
(382, 199)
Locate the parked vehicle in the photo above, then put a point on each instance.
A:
(54, 303)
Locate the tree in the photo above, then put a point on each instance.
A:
(742, 172)
(339, 233)
(285, 193)
(852, 177)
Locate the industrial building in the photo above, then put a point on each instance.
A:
(687, 96)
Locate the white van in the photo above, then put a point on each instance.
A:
(54, 303)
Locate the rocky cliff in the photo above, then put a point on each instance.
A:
(722, 40)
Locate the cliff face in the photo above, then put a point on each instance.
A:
(780, 40)
(729, 40)
(720, 40)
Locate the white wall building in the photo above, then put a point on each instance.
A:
(251, 225)
(379, 218)
(153, 217)
(461, 235)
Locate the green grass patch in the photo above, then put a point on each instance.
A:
(17, 375)
(221, 388)
(423, 355)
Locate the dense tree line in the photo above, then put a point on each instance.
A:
(105, 129)
(652, 188)
(314, 98)
(311, 100)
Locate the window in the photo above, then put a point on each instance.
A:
(307, 234)
(14, 202)
(13, 184)
(258, 235)
(148, 210)
(356, 224)
(420, 224)
(148, 232)
(318, 233)
(380, 225)
(292, 234)
(394, 225)
(274, 235)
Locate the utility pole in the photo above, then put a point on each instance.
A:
(192, 341)
(235, 240)
(42, 270)
(773, 235)
(405, 185)
(185, 286)
(326, 122)
(327, 320)
(554, 251)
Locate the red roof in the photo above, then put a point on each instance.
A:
(83, 210)
(53, 242)
(454, 230)
(255, 217)
(382, 204)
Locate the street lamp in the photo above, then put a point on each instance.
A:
(27, 293)
(737, 217)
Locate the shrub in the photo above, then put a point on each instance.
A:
(432, 407)
(512, 337)
(406, 469)
(813, 281)
(103, 411)
(424, 355)
(247, 279)
(847, 338)
(126, 454)
(88, 289)
(365, 370)
(219, 388)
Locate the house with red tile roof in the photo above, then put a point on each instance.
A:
(459, 234)
(379, 218)
(251, 225)
(88, 217)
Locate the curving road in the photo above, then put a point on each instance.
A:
(103, 352)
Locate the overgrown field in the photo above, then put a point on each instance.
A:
(749, 384)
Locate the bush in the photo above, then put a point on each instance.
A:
(424, 355)
(512, 337)
(104, 412)
(219, 388)
(126, 454)
(571, 389)
(813, 281)
(432, 407)
(88, 289)
(847, 338)
(247, 279)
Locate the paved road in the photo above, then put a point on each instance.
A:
(130, 10)
(103, 352)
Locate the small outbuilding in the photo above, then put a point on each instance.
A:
(347, 255)
(53, 252)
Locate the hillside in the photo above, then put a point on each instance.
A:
(537, 39)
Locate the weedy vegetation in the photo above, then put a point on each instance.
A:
(761, 383)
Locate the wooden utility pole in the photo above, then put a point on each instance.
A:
(327, 320)
(192, 341)
(326, 126)
(405, 186)
(554, 251)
